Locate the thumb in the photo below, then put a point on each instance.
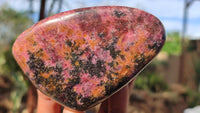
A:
(46, 105)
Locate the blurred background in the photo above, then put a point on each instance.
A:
(170, 84)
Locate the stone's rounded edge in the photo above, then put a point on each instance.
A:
(163, 38)
(66, 13)
(132, 11)
(72, 109)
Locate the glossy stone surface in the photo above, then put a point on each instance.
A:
(83, 56)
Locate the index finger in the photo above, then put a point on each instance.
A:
(47, 105)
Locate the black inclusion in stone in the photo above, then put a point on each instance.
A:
(69, 43)
(73, 81)
(109, 77)
(123, 81)
(155, 47)
(111, 64)
(87, 101)
(127, 66)
(58, 69)
(35, 64)
(140, 61)
(77, 68)
(115, 40)
(76, 71)
(58, 90)
(38, 67)
(53, 81)
(163, 37)
(122, 57)
(119, 13)
(74, 58)
(109, 89)
(100, 65)
(58, 77)
(101, 35)
(39, 79)
(94, 69)
(101, 83)
(34, 43)
(140, 19)
(111, 47)
(71, 97)
(113, 52)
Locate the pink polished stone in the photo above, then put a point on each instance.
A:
(83, 56)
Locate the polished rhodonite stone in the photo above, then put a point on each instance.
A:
(83, 56)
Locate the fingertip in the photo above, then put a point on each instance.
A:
(46, 105)
(67, 110)
(117, 103)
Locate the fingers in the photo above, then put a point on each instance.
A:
(46, 105)
(117, 103)
(66, 110)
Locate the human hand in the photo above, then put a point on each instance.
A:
(117, 103)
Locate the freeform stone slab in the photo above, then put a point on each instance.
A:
(83, 56)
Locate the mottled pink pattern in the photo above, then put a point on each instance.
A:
(83, 56)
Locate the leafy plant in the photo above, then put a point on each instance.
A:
(152, 82)
(173, 44)
(197, 76)
(192, 98)
(12, 23)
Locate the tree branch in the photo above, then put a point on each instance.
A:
(51, 7)
(59, 6)
(42, 9)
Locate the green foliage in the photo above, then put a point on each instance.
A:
(12, 24)
(197, 70)
(192, 45)
(173, 44)
(152, 82)
(192, 98)
(11, 65)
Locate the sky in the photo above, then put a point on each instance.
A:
(170, 12)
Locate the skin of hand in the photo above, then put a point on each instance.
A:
(117, 103)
